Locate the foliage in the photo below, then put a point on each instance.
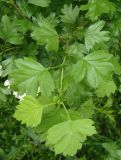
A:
(61, 60)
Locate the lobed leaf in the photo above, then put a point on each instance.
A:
(67, 137)
(45, 34)
(29, 76)
(94, 35)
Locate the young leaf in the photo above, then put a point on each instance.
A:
(29, 112)
(30, 75)
(97, 7)
(94, 34)
(67, 137)
(45, 34)
(8, 32)
(70, 14)
(41, 3)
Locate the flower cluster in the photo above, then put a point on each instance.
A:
(16, 94)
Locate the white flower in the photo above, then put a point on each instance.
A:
(7, 83)
(14, 93)
(18, 96)
(21, 97)
(39, 90)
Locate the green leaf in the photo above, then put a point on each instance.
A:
(78, 71)
(117, 65)
(108, 104)
(94, 35)
(9, 32)
(75, 93)
(95, 67)
(70, 14)
(48, 120)
(7, 66)
(23, 25)
(115, 26)
(29, 112)
(29, 76)
(29, 49)
(77, 49)
(41, 3)
(99, 67)
(106, 88)
(27, 11)
(53, 117)
(113, 149)
(3, 93)
(67, 137)
(46, 83)
(97, 7)
(87, 109)
(45, 34)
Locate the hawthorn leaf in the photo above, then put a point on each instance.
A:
(108, 104)
(45, 34)
(115, 26)
(23, 25)
(78, 71)
(77, 49)
(67, 137)
(3, 93)
(117, 65)
(29, 49)
(53, 117)
(95, 8)
(95, 67)
(70, 14)
(87, 109)
(113, 149)
(29, 76)
(29, 112)
(106, 88)
(73, 96)
(41, 3)
(46, 83)
(48, 120)
(94, 35)
(8, 65)
(9, 32)
(99, 67)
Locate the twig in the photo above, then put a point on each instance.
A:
(7, 50)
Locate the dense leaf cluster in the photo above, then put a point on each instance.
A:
(61, 60)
